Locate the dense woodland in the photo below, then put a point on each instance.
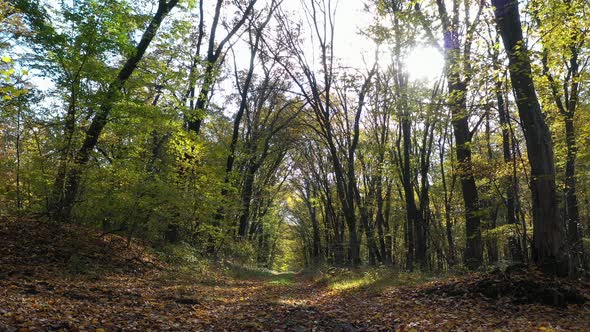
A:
(237, 129)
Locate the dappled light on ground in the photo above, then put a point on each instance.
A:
(155, 297)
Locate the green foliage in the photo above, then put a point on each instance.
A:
(242, 252)
(11, 76)
(181, 254)
(150, 177)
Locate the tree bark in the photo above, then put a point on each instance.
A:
(567, 109)
(549, 243)
(457, 87)
(571, 197)
(514, 244)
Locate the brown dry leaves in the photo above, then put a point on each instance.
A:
(35, 295)
(160, 301)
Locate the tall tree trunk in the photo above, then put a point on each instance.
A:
(509, 181)
(447, 195)
(571, 197)
(491, 203)
(570, 89)
(457, 87)
(413, 215)
(374, 254)
(317, 244)
(247, 190)
(424, 195)
(19, 198)
(549, 242)
(380, 220)
(386, 219)
(231, 157)
(473, 251)
(308, 196)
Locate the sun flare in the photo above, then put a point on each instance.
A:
(424, 63)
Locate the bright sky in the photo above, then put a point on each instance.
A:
(354, 50)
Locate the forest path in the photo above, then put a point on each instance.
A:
(164, 301)
(68, 278)
(281, 301)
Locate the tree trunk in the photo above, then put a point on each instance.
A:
(447, 195)
(387, 217)
(380, 221)
(514, 244)
(549, 243)
(458, 104)
(571, 198)
(316, 250)
(413, 215)
(473, 251)
(424, 196)
(247, 191)
(231, 157)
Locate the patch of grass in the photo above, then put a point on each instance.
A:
(374, 279)
(283, 279)
(243, 272)
(351, 280)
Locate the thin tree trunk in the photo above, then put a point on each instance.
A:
(308, 196)
(386, 219)
(571, 197)
(447, 195)
(247, 191)
(509, 181)
(214, 53)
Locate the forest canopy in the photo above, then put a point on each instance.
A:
(422, 135)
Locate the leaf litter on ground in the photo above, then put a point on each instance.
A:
(129, 288)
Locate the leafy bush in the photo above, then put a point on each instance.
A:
(241, 252)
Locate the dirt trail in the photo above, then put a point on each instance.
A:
(162, 301)
(67, 278)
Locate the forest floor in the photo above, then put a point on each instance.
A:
(74, 280)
